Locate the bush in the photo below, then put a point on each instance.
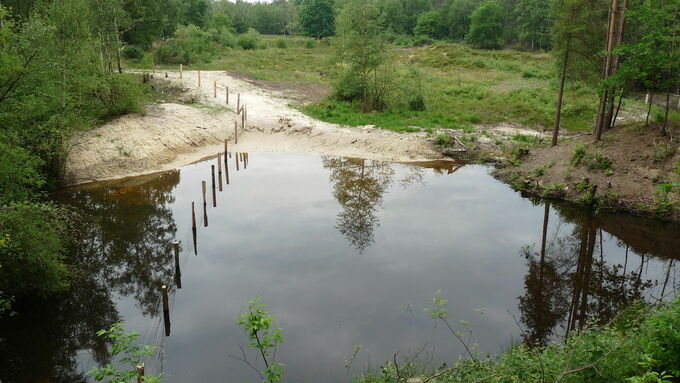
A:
(642, 345)
(420, 40)
(133, 53)
(249, 40)
(281, 43)
(20, 176)
(121, 94)
(310, 44)
(226, 39)
(191, 45)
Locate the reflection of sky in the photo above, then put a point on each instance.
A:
(273, 234)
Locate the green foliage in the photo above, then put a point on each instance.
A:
(191, 45)
(281, 44)
(249, 40)
(128, 353)
(20, 175)
(317, 18)
(133, 53)
(458, 17)
(429, 24)
(263, 337)
(444, 140)
(579, 155)
(486, 26)
(35, 241)
(640, 346)
(361, 60)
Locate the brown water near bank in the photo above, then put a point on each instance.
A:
(344, 251)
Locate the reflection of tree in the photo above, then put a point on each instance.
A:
(41, 342)
(126, 250)
(129, 244)
(358, 186)
(568, 285)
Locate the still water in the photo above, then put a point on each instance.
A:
(344, 252)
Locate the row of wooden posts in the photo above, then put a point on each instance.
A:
(241, 158)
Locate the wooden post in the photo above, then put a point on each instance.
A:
(227, 95)
(140, 373)
(219, 170)
(236, 132)
(226, 168)
(647, 98)
(238, 102)
(199, 78)
(203, 187)
(245, 161)
(243, 121)
(153, 70)
(212, 170)
(180, 71)
(225, 151)
(215, 89)
(178, 272)
(166, 310)
(193, 227)
(237, 161)
(245, 112)
(193, 217)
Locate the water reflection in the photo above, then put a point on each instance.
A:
(275, 233)
(358, 185)
(570, 281)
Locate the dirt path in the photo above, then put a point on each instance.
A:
(172, 135)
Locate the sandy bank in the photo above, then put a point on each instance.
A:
(172, 135)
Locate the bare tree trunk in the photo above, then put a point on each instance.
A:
(607, 68)
(649, 108)
(617, 62)
(618, 108)
(560, 96)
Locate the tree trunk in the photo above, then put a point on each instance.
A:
(617, 61)
(607, 68)
(664, 129)
(649, 108)
(618, 108)
(560, 96)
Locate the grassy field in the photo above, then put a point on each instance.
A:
(461, 86)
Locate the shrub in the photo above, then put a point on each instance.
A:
(443, 140)
(281, 43)
(249, 40)
(133, 53)
(310, 44)
(120, 94)
(420, 40)
(226, 39)
(191, 45)
(20, 176)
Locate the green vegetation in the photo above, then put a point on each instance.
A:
(641, 344)
(128, 353)
(263, 337)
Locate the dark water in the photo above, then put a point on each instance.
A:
(344, 252)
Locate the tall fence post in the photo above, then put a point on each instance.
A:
(199, 78)
(236, 132)
(193, 226)
(215, 89)
(227, 95)
(180, 71)
(237, 161)
(238, 102)
(219, 170)
(212, 170)
(166, 309)
(178, 272)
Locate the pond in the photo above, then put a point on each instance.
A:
(343, 252)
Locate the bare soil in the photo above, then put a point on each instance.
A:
(641, 160)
